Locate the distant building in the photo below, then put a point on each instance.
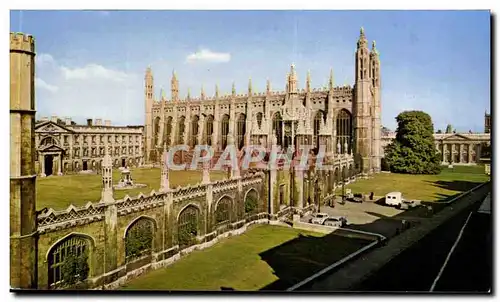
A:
(487, 123)
(65, 147)
(456, 148)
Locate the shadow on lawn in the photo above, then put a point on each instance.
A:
(455, 185)
(300, 258)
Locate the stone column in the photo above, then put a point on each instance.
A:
(110, 238)
(42, 165)
(299, 189)
(272, 190)
(59, 170)
(469, 151)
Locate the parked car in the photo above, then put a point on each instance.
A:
(407, 204)
(358, 197)
(393, 199)
(339, 221)
(319, 218)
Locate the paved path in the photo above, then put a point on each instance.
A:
(469, 266)
(416, 269)
(412, 261)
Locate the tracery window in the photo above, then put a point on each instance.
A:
(180, 130)
(222, 210)
(224, 130)
(240, 131)
(278, 128)
(139, 238)
(251, 201)
(259, 119)
(68, 261)
(209, 130)
(194, 130)
(318, 119)
(344, 131)
(168, 130)
(188, 225)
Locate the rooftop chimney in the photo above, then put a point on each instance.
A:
(98, 122)
(107, 123)
(67, 121)
(53, 119)
(89, 122)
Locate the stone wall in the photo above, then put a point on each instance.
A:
(105, 225)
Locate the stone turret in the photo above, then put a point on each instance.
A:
(165, 183)
(23, 223)
(107, 177)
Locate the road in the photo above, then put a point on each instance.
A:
(468, 269)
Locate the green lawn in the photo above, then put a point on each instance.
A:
(265, 257)
(59, 192)
(424, 187)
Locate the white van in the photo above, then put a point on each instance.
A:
(393, 199)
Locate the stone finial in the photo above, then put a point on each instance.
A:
(268, 86)
(216, 90)
(189, 93)
(308, 81)
(331, 82)
(233, 89)
(250, 86)
(362, 31)
(165, 182)
(202, 94)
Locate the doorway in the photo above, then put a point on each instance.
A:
(123, 162)
(84, 164)
(48, 159)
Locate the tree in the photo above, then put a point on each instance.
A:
(449, 129)
(413, 151)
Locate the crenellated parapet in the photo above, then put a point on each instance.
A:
(22, 42)
(50, 220)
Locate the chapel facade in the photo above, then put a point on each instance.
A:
(344, 119)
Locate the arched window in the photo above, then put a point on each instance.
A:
(209, 130)
(222, 210)
(68, 261)
(156, 132)
(139, 238)
(278, 128)
(188, 225)
(224, 129)
(318, 119)
(240, 130)
(251, 202)
(168, 130)
(180, 130)
(344, 131)
(259, 119)
(194, 130)
(47, 141)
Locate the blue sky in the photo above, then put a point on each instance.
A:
(92, 63)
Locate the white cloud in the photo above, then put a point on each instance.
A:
(93, 71)
(207, 55)
(39, 83)
(44, 59)
(89, 91)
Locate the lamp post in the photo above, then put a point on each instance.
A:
(316, 187)
(343, 185)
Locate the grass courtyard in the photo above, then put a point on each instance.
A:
(263, 258)
(443, 186)
(58, 192)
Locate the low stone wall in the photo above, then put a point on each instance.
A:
(324, 229)
(175, 254)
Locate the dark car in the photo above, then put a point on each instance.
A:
(358, 198)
